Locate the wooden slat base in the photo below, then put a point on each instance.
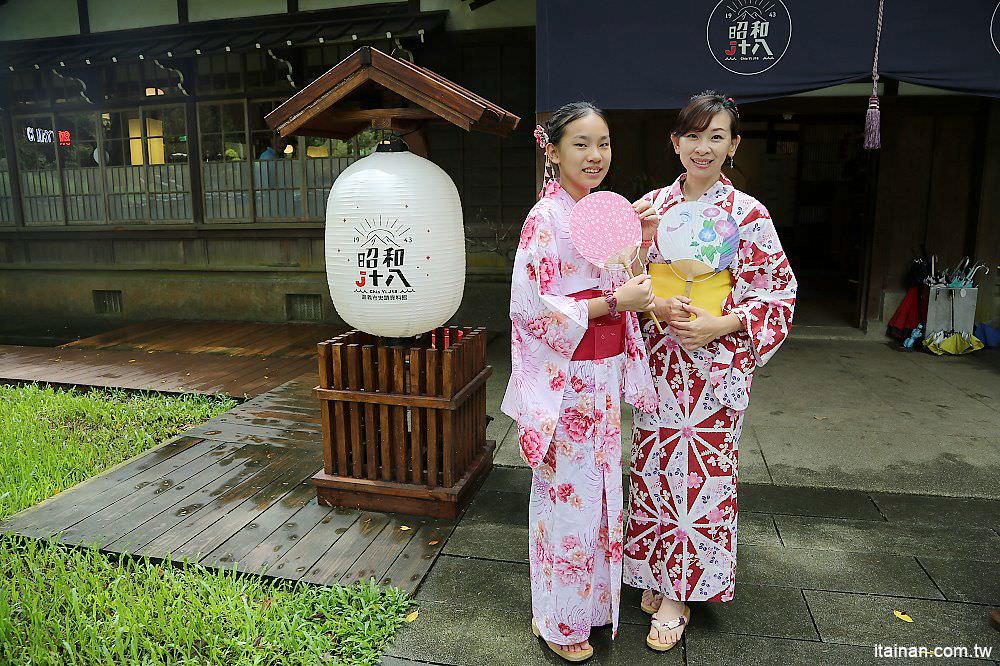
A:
(389, 496)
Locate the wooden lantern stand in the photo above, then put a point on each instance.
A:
(404, 425)
(404, 428)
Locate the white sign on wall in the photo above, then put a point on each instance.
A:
(39, 135)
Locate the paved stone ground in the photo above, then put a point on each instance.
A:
(869, 482)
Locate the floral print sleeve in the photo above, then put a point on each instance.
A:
(546, 327)
(541, 308)
(763, 298)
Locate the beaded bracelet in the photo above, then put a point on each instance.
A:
(612, 301)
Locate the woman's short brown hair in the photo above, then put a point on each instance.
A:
(700, 109)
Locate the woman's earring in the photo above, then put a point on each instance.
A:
(731, 162)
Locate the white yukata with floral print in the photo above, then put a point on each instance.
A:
(568, 417)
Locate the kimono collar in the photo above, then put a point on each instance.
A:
(716, 194)
(553, 190)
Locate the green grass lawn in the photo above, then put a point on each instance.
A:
(76, 606)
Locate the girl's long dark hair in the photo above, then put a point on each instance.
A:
(555, 128)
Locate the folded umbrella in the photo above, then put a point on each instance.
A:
(952, 342)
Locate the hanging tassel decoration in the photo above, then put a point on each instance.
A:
(873, 122)
(873, 119)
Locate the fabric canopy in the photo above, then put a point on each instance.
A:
(646, 54)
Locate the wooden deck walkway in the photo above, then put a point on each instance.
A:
(234, 492)
(235, 358)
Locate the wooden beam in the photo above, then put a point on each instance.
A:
(375, 115)
(310, 95)
(414, 78)
(435, 104)
(439, 97)
(7, 135)
(194, 163)
(319, 106)
(83, 13)
(342, 134)
(409, 400)
(415, 137)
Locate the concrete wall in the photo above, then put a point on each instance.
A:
(33, 19)
(38, 18)
(309, 5)
(106, 15)
(209, 10)
(497, 14)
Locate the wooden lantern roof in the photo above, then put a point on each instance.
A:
(370, 88)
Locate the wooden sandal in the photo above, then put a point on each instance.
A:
(667, 626)
(646, 607)
(580, 655)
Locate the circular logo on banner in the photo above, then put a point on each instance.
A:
(995, 27)
(748, 37)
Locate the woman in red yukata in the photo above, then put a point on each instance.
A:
(576, 350)
(680, 542)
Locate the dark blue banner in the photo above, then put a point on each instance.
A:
(647, 54)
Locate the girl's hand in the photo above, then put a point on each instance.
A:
(698, 332)
(636, 295)
(671, 309)
(648, 217)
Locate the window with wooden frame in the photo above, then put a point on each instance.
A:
(80, 167)
(38, 165)
(267, 73)
(251, 175)
(220, 73)
(324, 160)
(147, 173)
(277, 169)
(138, 80)
(224, 149)
(29, 88)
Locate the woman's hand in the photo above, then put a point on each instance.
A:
(697, 332)
(704, 328)
(647, 215)
(671, 309)
(636, 295)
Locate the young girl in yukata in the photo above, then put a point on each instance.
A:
(576, 349)
(680, 544)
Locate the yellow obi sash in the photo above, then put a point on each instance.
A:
(708, 292)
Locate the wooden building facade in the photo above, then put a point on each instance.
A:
(138, 179)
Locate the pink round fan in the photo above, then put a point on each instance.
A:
(606, 231)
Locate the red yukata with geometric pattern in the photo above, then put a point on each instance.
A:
(680, 538)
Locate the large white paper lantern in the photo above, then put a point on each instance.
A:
(395, 245)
